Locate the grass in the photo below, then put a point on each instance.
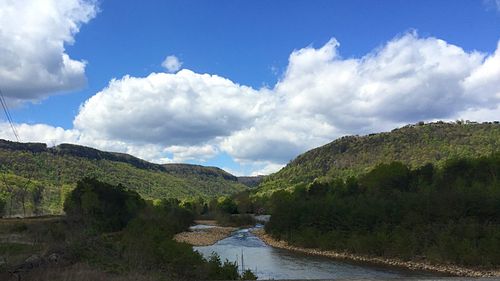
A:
(78, 272)
(21, 238)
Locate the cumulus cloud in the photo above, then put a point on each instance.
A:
(39, 133)
(184, 153)
(182, 116)
(33, 62)
(185, 108)
(171, 64)
(323, 96)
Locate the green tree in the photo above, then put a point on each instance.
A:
(103, 206)
(248, 275)
(227, 205)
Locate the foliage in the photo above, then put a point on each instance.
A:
(56, 170)
(444, 214)
(248, 275)
(236, 220)
(146, 240)
(20, 195)
(122, 235)
(413, 145)
(226, 205)
(3, 203)
(102, 206)
(221, 271)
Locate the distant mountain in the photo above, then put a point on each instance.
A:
(50, 172)
(413, 145)
(251, 181)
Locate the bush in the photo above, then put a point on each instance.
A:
(248, 275)
(221, 271)
(101, 206)
(235, 220)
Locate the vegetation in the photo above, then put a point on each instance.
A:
(111, 229)
(447, 214)
(102, 206)
(35, 179)
(413, 145)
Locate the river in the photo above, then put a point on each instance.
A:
(271, 263)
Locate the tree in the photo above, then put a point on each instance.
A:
(227, 205)
(391, 176)
(248, 275)
(102, 206)
(3, 202)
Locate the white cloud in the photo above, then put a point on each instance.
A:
(268, 168)
(321, 96)
(185, 108)
(171, 64)
(33, 62)
(184, 153)
(39, 133)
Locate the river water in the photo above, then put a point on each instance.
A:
(271, 263)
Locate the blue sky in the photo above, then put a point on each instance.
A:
(252, 45)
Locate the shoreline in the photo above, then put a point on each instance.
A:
(410, 265)
(204, 236)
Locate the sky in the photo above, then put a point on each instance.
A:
(242, 85)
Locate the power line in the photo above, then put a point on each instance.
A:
(7, 114)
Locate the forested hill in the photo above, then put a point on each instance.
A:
(414, 145)
(39, 175)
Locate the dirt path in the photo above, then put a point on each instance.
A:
(412, 265)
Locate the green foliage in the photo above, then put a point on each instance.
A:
(143, 247)
(20, 196)
(413, 145)
(221, 271)
(447, 214)
(236, 220)
(232, 211)
(3, 203)
(248, 275)
(102, 206)
(145, 242)
(226, 205)
(55, 172)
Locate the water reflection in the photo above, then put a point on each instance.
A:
(272, 263)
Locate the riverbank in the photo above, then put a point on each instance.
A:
(411, 265)
(204, 236)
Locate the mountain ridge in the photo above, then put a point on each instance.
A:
(414, 145)
(40, 176)
(96, 154)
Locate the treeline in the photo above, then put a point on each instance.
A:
(114, 229)
(235, 210)
(24, 197)
(414, 145)
(449, 214)
(51, 176)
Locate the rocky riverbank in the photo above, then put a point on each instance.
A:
(204, 236)
(412, 265)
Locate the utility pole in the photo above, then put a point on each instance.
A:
(242, 263)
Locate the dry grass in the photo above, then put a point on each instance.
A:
(206, 222)
(77, 272)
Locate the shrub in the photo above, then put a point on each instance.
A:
(101, 206)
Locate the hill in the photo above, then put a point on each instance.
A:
(40, 176)
(414, 145)
(251, 181)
